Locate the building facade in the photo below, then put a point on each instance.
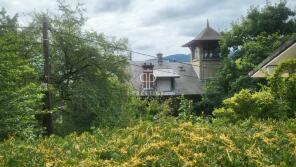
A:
(166, 78)
(171, 78)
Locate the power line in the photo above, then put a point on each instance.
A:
(128, 50)
(115, 47)
(12, 26)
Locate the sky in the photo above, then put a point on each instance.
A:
(151, 26)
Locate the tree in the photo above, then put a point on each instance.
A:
(87, 72)
(20, 93)
(248, 43)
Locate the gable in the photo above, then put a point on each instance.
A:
(285, 52)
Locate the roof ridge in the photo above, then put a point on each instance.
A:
(285, 44)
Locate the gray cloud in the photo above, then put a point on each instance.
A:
(150, 25)
(143, 47)
(189, 17)
(112, 5)
(188, 9)
(181, 10)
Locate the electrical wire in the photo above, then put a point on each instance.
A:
(115, 47)
(12, 26)
(128, 50)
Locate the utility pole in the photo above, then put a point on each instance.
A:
(47, 118)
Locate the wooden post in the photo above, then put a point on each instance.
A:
(47, 119)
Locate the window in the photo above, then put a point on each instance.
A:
(165, 84)
(197, 53)
(211, 54)
(147, 79)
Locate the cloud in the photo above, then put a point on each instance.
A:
(112, 5)
(180, 10)
(151, 26)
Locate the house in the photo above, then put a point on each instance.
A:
(285, 52)
(165, 78)
(172, 78)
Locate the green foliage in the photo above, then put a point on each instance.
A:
(20, 93)
(165, 143)
(185, 109)
(277, 100)
(283, 85)
(153, 106)
(248, 43)
(246, 104)
(88, 74)
(173, 106)
(88, 78)
(270, 19)
(185, 105)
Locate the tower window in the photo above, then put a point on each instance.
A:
(196, 54)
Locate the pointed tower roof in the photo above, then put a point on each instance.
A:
(207, 34)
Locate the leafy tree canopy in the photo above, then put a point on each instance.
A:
(87, 79)
(20, 94)
(87, 71)
(249, 42)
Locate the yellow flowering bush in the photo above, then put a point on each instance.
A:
(165, 142)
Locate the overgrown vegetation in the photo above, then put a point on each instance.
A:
(249, 42)
(20, 92)
(99, 122)
(87, 78)
(165, 142)
(277, 100)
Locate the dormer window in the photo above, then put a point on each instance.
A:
(165, 80)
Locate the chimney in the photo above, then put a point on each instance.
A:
(148, 67)
(159, 58)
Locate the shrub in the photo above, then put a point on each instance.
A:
(277, 100)
(159, 106)
(185, 106)
(163, 143)
(246, 104)
(284, 88)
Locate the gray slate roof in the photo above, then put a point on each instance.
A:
(281, 49)
(187, 84)
(208, 34)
